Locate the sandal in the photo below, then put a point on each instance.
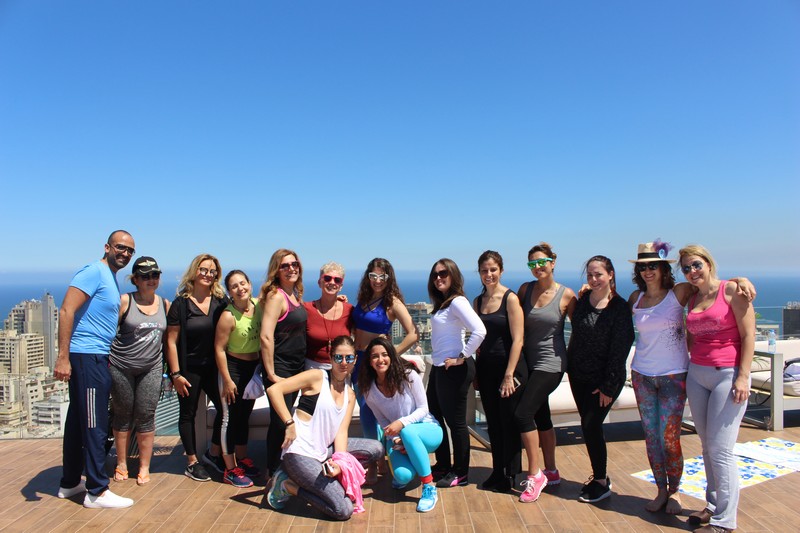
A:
(120, 475)
(142, 479)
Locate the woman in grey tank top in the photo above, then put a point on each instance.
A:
(545, 304)
(136, 368)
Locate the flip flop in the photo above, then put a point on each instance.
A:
(142, 479)
(120, 475)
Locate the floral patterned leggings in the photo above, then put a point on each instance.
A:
(661, 401)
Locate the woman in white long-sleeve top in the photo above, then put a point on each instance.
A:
(453, 368)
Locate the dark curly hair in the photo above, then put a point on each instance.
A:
(396, 375)
(392, 291)
(667, 277)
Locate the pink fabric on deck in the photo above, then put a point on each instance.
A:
(351, 478)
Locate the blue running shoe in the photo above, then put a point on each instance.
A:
(237, 478)
(277, 496)
(429, 498)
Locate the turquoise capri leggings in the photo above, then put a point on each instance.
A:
(419, 440)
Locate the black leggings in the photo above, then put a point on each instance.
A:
(236, 416)
(276, 432)
(447, 401)
(201, 379)
(533, 411)
(502, 428)
(592, 416)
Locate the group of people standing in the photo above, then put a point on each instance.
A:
(335, 355)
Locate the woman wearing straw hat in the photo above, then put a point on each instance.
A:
(660, 364)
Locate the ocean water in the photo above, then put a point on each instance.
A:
(773, 291)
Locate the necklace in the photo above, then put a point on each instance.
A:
(325, 321)
(246, 308)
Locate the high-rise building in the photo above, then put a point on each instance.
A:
(39, 317)
(791, 319)
(20, 353)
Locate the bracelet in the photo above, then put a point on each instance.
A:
(289, 422)
(173, 375)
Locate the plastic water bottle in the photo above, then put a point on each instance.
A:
(772, 344)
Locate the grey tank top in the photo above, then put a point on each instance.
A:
(544, 347)
(138, 344)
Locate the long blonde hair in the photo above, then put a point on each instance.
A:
(186, 285)
(272, 280)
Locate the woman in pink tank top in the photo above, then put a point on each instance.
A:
(721, 338)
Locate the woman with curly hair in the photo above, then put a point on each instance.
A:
(283, 336)
(394, 391)
(380, 303)
(453, 368)
(191, 326)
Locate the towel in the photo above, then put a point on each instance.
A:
(351, 478)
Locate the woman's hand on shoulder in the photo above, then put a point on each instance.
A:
(633, 297)
(746, 288)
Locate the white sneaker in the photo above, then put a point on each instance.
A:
(107, 500)
(69, 493)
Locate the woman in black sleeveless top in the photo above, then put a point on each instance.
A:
(500, 370)
(283, 337)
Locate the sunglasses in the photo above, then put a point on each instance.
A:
(539, 263)
(441, 274)
(378, 277)
(149, 276)
(338, 358)
(121, 248)
(206, 272)
(641, 267)
(286, 266)
(336, 279)
(697, 265)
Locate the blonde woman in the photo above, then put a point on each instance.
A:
(191, 326)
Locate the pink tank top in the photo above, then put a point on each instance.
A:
(717, 341)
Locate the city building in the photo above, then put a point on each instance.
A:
(38, 317)
(791, 320)
(21, 353)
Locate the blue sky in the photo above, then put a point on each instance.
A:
(409, 130)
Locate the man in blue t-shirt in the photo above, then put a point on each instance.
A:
(87, 325)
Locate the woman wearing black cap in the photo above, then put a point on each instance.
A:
(136, 356)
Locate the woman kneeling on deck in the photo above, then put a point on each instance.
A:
(394, 391)
(320, 421)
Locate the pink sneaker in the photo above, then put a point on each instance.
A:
(552, 477)
(533, 488)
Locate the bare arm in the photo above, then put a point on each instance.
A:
(516, 323)
(746, 322)
(180, 383)
(224, 328)
(73, 301)
(568, 302)
(124, 303)
(309, 382)
(401, 313)
(274, 307)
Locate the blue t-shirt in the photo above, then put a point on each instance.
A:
(96, 321)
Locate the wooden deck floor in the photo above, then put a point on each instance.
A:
(30, 471)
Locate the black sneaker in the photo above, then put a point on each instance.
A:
(594, 492)
(438, 472)
(250, 469)
(214, 461)
(197, 472)
(451, 479)
(493, 480)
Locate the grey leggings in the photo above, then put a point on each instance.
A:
(321, 492)
(134, 395)
(717, 418)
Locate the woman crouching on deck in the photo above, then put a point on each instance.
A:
(320, 422)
